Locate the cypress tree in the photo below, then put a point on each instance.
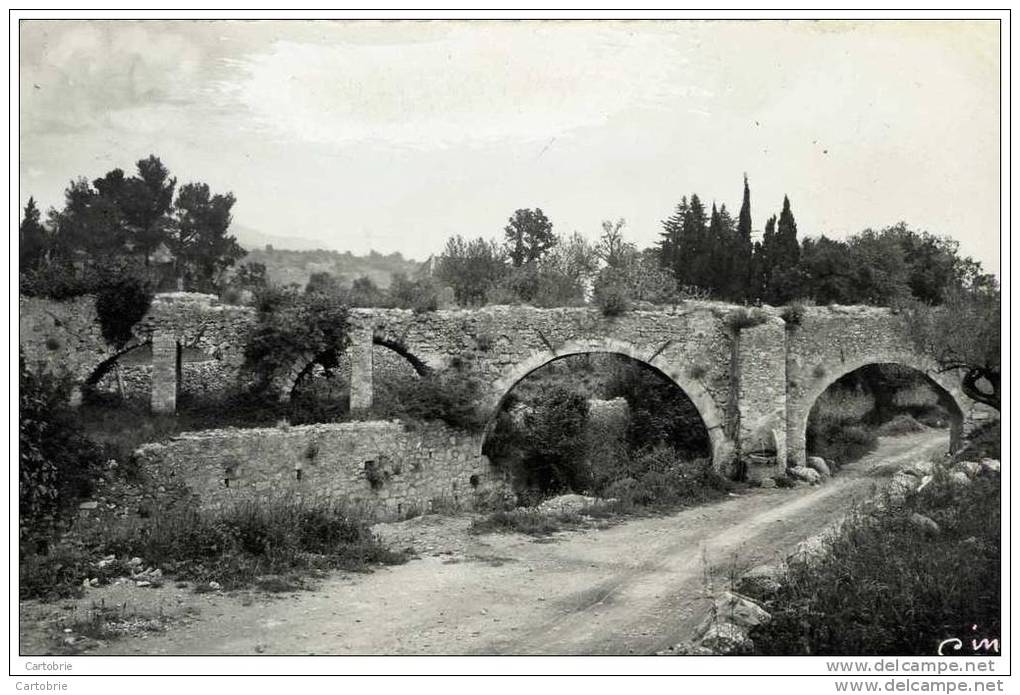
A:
(742, 283)
(788, 248)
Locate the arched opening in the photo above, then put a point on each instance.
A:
(604, 424)
(320, 391)
(859, 406)
(124, 376)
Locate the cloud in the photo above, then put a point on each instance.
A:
(503, 82)
(77, 75)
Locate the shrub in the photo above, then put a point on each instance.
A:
(235, 546)
(914, 588)
(793, 314)
(613, 299)
(57, 463)
(451, 396)
(899, 425)
(739, 319)
(294, 326)
(840, 442)
(120, 306)
(527, 521)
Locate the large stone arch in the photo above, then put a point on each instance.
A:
(827, 373)
(710, 412)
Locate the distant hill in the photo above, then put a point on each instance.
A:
(284, 266)
(294, 259)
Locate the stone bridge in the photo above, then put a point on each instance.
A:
(753, 382)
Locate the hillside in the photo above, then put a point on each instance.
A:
(285, 266)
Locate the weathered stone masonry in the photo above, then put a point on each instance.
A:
(754, 389)
(383, 467)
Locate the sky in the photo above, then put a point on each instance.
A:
(393, 136)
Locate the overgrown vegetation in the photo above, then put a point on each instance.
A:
(888, 585)
(120, 306)
(57, 463)
(243, 544)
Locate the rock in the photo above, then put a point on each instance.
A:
(726, 638)
(91, 504)
(924, 523)
(902, 484)
(762, 580)
(740, 610)
(143, 583)
(969, 468)
(811, 549)
(566, 504)
(135, 562)
(959, 479)
(919, 468)
(808, 475)
(94, 581)
(925, 482)
(215, 586)
(817, 463)
(990, 466)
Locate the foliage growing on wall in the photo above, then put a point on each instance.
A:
(120, 306)
(291, 326)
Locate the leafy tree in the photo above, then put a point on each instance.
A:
(529, 235)
(324, 283)
(964, 333)
(251, 276)
(612, 249)
(471, 268)
(120, 306)
(365, 293)
(33, 240)
(420, 295)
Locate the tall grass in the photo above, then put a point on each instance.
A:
(887, 587)
(234, 546)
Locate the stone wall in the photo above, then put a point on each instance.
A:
(382, 466)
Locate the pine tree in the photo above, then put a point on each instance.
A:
(669, 243)
(765, 255)
(694, 250)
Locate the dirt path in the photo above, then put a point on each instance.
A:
(633, 588)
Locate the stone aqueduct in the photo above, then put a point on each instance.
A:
(754, 387)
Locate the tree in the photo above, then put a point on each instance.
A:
(33, 240)
(612, 249)
(199, 242)
(964, 333)
(471, 268)
(529, 235)
(743, 248)
(787, 246)
(693, 251)
(670, 238)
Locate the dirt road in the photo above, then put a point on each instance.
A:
(634, 588)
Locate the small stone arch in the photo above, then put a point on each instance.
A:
(286, 384)
(945, 383)
(711, 415)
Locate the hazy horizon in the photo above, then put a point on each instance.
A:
(392, 136)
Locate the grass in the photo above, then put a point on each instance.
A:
(529, 522)
(887, 587)
(272, 543)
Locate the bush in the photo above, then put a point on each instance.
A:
(739, 319)
(293, 326)
(527, 521)
(451, 396)
(793, 314)
(120, 306)
(235, 546)
(57, 463)
(899, 425)
(886, 587)
(840, 442)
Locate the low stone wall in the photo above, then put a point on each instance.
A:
(382, 466)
